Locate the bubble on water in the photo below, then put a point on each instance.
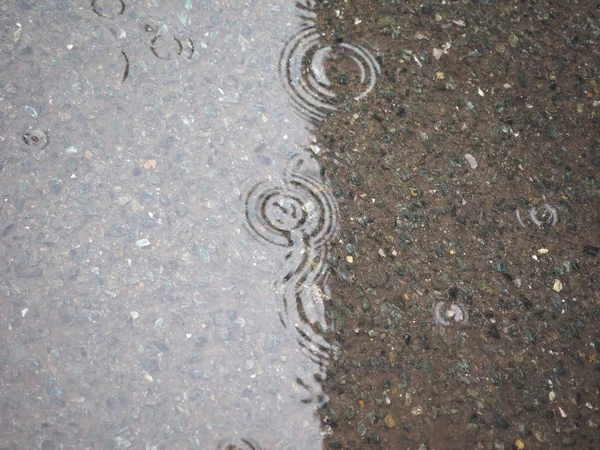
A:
(444, 313)
(304, 65)
(108, 9)
(549, 215)
(36, 137)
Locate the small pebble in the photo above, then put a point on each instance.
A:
(471, 160)
(135, 412)
(417, 411)
(143, 243)
(558, 286)
(472, 393)
(389, 421)
(519, 444)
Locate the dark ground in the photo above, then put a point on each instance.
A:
(422, 226)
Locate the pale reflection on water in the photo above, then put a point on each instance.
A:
(165, 226)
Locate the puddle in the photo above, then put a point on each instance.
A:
(242, 224)
(166, 223)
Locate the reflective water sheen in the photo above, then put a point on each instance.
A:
(165, 223)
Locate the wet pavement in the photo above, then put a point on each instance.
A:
(163, 213)
(277, 225)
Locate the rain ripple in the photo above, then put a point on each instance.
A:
(303, 70)
(301, 209)
(299, 214)
(245, 445)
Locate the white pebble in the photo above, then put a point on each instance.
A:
(417, 411)
(471, 160)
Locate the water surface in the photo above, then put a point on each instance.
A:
(165, 223)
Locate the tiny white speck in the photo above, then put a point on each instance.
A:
(24, 312)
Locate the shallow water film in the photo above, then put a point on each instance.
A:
(323, 224)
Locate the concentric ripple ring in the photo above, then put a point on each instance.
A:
(302, 68)
(301, 209)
